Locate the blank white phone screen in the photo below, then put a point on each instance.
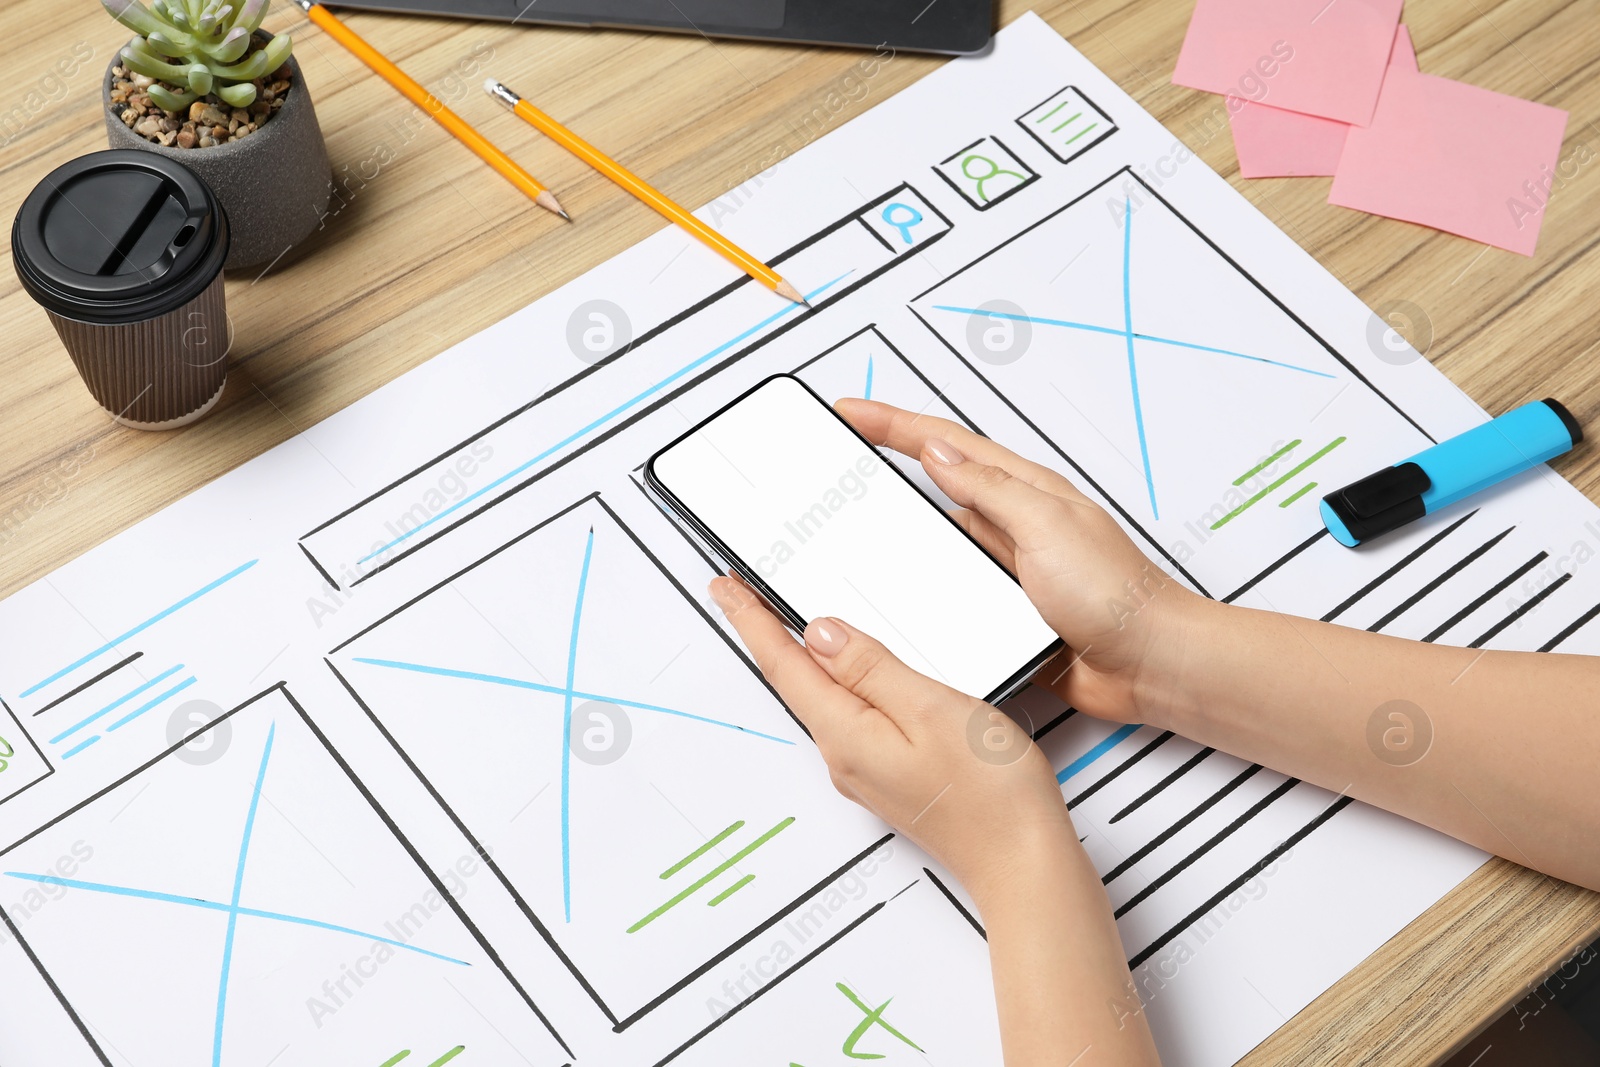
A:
(833, 529)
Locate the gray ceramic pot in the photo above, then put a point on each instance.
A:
(274, 184)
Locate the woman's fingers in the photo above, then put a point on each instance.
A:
(908, 432)
(862, 665)
(826, 708)
(1022, 512)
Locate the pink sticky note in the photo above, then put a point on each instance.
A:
(1453, 156)
(1274, 143)
(1320, 57)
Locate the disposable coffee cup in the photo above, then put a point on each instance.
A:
(124, 251)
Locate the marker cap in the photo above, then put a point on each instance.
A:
(1449, 471)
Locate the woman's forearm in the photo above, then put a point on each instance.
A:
(1495, 748)
(1061, 979)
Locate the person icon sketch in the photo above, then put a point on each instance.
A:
(984, 177)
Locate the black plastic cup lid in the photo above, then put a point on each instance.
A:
(119, 237)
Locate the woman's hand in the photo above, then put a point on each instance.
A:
(1119, 614)
(954, 774)
(967, 784)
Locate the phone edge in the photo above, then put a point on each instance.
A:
(1007, 689)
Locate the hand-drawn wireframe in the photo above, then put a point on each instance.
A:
(878, 990)
(1067, 124)
(22, 763)
(534, 702)
(309, 927)
(1146, 317)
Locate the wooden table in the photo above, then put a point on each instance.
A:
(430, 247)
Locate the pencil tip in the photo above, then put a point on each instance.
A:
(547, 200)
(789, 292)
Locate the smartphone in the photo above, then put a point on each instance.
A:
(807, 512)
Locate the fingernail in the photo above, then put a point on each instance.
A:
(826, 637)
(943, 452)
(730, 595)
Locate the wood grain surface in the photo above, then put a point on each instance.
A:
(428, 247)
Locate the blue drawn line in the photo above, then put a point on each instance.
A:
(566, 731)
(556, 690)
(117, 703)
(80, 746)
(601, 421)
(1111, 741)
(1226, 352)
(1152, 338)
(126, 719)
(238, 888)
(1129, 337)
(212, 905)
(866, 393)
(1133, 367)
(151, 621)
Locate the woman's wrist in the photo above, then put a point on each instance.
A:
(1028, 869)
(1185, 650)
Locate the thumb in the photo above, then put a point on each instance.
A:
(869, 670)
(1012, 505)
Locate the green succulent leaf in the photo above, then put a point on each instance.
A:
(200, 79)
(251, 14)
(137, 58)
(241, 95)
(168, 100)
(277, 52)
(170, 43)
(229, 49)
(134, 15)
(253, 67)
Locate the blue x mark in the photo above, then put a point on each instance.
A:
(233, 909)
(1129, 335)
(568, 693)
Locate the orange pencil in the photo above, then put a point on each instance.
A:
(414, 92)
(641, 189)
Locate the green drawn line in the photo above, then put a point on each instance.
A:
(1269, 461)
(731, 890)
(1079, 134)
(705, 879)
(1053, 110)
(1318, 454)
(1298, 493)
(403, 1053)
(1068, 122)
(701, 851)
(873, 1015)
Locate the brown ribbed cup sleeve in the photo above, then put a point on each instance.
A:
(157, 370)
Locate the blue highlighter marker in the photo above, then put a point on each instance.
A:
(1439, 476)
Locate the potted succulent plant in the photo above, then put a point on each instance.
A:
(203, 84)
